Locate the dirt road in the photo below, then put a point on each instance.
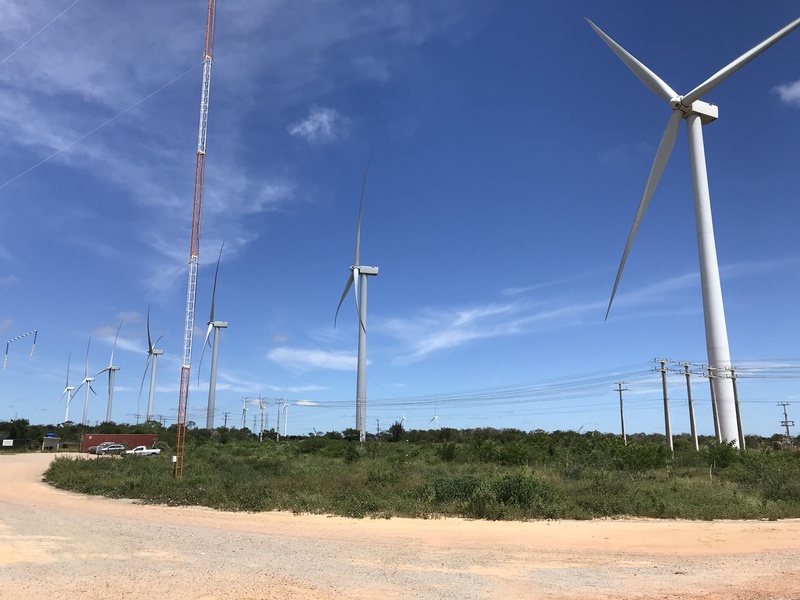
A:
(60, 545)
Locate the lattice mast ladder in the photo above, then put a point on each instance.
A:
(194, 252)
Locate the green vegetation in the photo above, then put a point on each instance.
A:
(481, 474)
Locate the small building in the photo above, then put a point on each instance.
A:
(51, 443)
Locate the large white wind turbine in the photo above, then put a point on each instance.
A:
(696, 113)
(68, 391)
(87, 381)
(214, 326)
(358, 277)
(111, 372)
(154, 354)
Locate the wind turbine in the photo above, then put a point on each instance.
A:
(215, 326)
(696, 113)
(68, 391)
(154, 354)
(358, 276)
(111, 373)
(88, 382)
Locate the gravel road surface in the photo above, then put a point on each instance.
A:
(60, 545)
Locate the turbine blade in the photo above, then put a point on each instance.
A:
(344, 295)
(214, 292)
(144, 375)
(737, 64)
(86, 370)
(75, 391)
(69, 358)
(662, 156)
(149, 342)
(654, 83)
(205, 342)
(356, 281)
(158, 340)
(114, 347)
(101, 371)
(357, 255)
(91, 389)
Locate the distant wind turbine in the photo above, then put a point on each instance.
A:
(358, 276)
(111, 373)
(87, 381)
(215, 326)
(154, 354)
(696, 113)
(68, 391)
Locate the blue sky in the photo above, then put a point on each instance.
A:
(510, 148)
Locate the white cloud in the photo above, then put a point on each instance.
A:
(445, 329)
(306, 360)
(789, 93)
(322, 125)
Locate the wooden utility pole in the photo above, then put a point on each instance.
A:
(786, 423)
(717, 432)
(667, 425)
(695, 445)
(739, 428)
(621, 389)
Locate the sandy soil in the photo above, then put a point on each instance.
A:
(60, 545)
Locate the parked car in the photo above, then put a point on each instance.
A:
(100, 446)
(111, 449)
(143, 451)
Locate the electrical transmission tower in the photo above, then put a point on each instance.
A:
(194, 252)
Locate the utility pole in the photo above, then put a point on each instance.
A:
(621, 389)
(244, 411)
(278, 424)
(695, 445)
(667, 425)
(255, 422)
(739, 428)
(717, 432)
(786, 423)
(262, 403)
(225, 417)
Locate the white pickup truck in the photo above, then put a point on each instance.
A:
(144, 451)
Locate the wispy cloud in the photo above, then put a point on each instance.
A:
(322, 125)
(440, 329)
(309, 360)
(789, 93)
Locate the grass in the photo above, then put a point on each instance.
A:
(564, 475)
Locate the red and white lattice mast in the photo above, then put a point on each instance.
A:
(194, 252)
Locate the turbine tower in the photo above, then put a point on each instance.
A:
(87, 381)
(194, 247)
(358, 276)
(696, 113)
(111, 373)
(68, 391)
(154, 354)
(214, 326)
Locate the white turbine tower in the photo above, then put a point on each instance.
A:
(358, 277)
(111, 373)
(214, 326)
(87, 381)
(154, 354)
(696, 113)
(68, 391)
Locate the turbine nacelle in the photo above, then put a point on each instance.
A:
(708, 112)
(364, 270)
